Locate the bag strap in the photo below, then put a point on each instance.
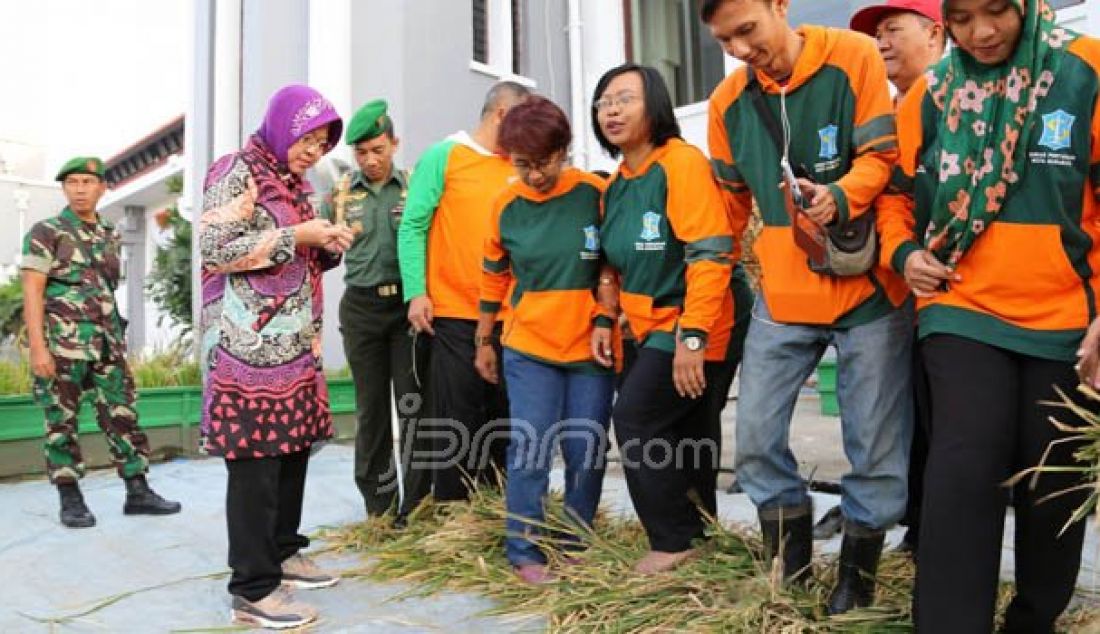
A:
(756, 96)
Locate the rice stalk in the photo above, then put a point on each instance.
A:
(460, 547)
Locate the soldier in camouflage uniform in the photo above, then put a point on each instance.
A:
(71, 266)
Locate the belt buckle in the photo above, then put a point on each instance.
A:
(387, 290)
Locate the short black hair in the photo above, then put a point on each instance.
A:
(499, 91)
(658, 106)
(710, 7)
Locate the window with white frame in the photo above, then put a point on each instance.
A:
(498, 36)
(670, 36)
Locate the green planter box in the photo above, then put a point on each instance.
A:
(170, 416)
(341, 395)
(826, 388)
(157, 407)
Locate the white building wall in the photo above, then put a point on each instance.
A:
(23, 202)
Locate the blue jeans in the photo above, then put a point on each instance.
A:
(550, 404)
(875, 393)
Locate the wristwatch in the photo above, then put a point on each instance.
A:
(483, 340)
(693, 343)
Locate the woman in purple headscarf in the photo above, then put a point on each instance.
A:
(265, 402)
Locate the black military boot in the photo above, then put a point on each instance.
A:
(859, 555)
(74, 512)
(788, 530)
(141, 500)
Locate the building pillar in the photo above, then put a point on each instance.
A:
(132, 230)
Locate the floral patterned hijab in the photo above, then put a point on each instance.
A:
(985, 127)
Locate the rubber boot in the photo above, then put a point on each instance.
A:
(859, 554)
(788, 533)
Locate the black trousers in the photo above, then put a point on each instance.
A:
(263, 508)
(987, 425)
(668, 446)
(380, 352)
(918, 451)
(471, 424)
(735, 351)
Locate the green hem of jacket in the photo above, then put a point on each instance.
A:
(1056, 345)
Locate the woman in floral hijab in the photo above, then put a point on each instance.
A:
(265, 401)
(993, 216)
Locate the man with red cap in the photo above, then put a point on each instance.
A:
(910, 37)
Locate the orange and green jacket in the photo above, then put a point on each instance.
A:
(666, 232)
(1030, 281)
(450, 195)
(842, 132)
(545, 248)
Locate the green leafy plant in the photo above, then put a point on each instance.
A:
(11, 310)
(15, 377)
(172, 367)
(169, 283)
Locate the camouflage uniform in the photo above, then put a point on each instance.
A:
(84, 333)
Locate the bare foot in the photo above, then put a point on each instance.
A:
(656, 561)
(534, 574)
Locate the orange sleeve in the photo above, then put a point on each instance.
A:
(875, 133)
(734, 190)
(1093, 57)
(496, 265)
(895, 218)
(698, 218)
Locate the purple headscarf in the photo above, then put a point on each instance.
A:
(293, 112)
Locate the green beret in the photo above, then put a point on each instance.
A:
(369, 122)
(82, 165)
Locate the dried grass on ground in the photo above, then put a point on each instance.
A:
(460, 547)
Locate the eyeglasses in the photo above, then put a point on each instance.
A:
(526, 165)
(313, 143)
(621, 100)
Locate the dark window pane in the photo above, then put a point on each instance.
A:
(518, 24)
(481, 31)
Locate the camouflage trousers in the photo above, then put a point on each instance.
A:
(112, 386)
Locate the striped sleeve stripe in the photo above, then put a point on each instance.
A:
(886, 143)
(715, 249)
(488, 307)
(880, 127)
(900, 182)
(495, 266)
(729, 176)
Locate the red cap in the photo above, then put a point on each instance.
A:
(866, 19)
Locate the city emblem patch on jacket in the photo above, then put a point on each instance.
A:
(591, 238)
(1057, 130)
(651, 226)
(827, 135)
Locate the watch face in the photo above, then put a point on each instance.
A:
(693, 343)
